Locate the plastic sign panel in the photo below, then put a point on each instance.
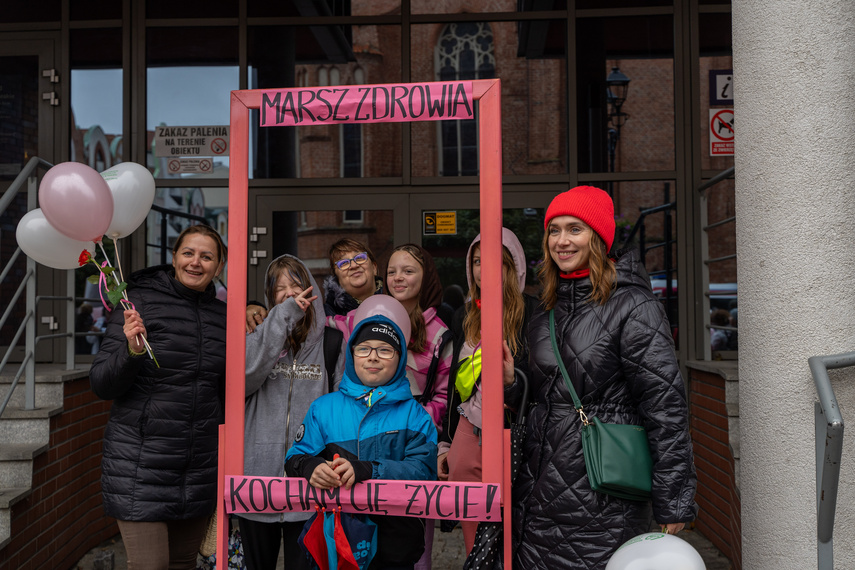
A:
(390, 103)
(721, 132)
(212, 140)
(424, 499)
(444, 223)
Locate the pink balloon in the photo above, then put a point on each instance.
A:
(76, 201)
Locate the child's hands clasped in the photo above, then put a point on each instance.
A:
(336, 473)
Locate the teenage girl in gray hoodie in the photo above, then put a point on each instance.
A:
(285, 373)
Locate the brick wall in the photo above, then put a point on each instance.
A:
(718, 496)
(62, 519)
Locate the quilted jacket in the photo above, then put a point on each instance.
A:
(620, 358)
(160, 446)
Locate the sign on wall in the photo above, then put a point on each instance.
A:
(212, 140)
(444, 223)
(721, 132)
(721, 87)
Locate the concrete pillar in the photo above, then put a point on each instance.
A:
(794, 70)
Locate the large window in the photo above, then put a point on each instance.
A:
(464, 52)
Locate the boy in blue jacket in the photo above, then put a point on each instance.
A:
(371, 428)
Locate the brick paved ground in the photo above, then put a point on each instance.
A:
(448, 552)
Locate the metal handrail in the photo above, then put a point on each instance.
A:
(829, 449)
(25, 179)
(639, 228)
(705, 254)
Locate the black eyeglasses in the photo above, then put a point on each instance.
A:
(384, 352)
(358, 259)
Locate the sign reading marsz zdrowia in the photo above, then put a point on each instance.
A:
(367, 103)
(425, 499)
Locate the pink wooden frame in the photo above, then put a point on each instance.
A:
(495, 439)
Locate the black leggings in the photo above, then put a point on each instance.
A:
(261, 544)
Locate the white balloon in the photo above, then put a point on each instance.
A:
(45, 244)
(656, 551)
(132, 186)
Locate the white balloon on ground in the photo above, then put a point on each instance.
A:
(656, 551)
(132, 186)
(47, 245)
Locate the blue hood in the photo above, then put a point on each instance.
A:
(396, 389)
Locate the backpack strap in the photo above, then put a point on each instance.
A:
(332, 347)
(434, 367)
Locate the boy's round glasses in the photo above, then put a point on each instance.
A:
(384, 352)
(359, 259)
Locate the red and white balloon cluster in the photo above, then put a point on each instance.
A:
(79, 207)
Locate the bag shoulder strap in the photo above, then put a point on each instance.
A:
(576, 403)
(434, 367)
(332, 348)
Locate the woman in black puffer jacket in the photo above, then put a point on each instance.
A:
(615, 341)
(159, 466)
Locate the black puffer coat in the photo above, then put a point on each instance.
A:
(160, 448)
(621, 360)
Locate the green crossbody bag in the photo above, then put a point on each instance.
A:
(617, 456)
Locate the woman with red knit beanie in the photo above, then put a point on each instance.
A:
(614, 340)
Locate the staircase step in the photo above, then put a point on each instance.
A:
(49, 381)
(21, 451)
(8, 497)
(25, 429)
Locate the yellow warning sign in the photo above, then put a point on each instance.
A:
(436, 223)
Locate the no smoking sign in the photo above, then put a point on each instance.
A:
(721, 132)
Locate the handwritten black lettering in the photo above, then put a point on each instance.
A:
(397, 100)
(287, 106)
(332, 494)
(438, 491)
(273, 104)
(270, 494)
(491, 494)
(234, 493)
(435, 106)
(303, 105)
(416, 489)
(378, 500)
(460, 99)
(374, 102)
(340, 99)
(253, 483)
(365, 91)
(420, 99)
(319, 96)
(428, 496)
(466, 503)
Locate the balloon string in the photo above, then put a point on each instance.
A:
(126, 303)
(118, 261)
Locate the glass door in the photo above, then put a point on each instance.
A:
(29, 97)
(306, 226)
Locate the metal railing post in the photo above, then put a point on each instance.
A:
(30, 331)
(71, 322)
(829, 449)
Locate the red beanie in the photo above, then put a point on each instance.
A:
(591, 205)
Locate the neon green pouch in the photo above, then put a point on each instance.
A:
(467, 374)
